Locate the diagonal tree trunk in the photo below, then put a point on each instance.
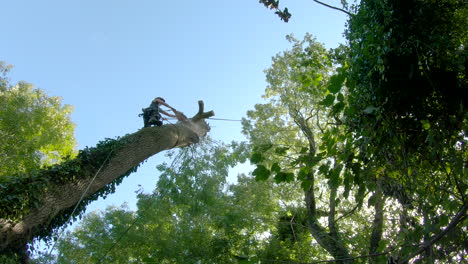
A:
(14, 235)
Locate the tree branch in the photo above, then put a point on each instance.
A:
(460, 216)
(333, 7)
(56, 200)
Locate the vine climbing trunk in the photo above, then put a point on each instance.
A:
(57, 198)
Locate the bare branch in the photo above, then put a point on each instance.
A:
(334, 7)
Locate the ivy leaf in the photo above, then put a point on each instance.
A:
(261, 173)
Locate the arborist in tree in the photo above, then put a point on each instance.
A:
(152, 114)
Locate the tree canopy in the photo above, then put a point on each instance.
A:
(35, 129)
(359, 155)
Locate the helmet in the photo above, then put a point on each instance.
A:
(160, 98)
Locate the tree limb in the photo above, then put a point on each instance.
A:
(460, 216)
(333, 7)
(56, 199)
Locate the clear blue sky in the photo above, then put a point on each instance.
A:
(110, 58)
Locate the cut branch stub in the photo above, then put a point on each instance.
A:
(201, 114)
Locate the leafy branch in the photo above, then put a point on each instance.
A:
(274, 5)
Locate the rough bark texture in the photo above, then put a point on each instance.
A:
(141, 145)
(332, 244)
(377, 225)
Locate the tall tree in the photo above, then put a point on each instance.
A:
(404, 106)
(302, 133)
(35, 129)
(408, 92)
(294, 137)
(36, 204)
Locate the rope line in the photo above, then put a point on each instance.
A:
(211, 118)
(81, 199)
(225, 119)
(126, 230)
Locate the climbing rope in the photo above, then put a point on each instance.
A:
(224, 119)
(79, 201)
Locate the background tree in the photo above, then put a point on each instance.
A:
(35, 129)
(296, 136)
(404, 110)
(407, 107)
(193, 216)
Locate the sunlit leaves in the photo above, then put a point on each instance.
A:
(35, 129)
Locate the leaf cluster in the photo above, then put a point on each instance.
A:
(274, 4)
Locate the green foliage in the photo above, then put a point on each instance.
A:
(193, 216)
(10, 258)
(35, 129)
(407, 73)
(20, 194)
(274, 4)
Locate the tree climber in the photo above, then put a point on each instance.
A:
(152, 114)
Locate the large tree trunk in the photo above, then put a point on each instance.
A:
(14, 235)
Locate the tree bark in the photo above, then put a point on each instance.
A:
(334, 246)
(141, 145)
(377, 225)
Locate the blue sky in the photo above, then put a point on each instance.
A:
(109, 59)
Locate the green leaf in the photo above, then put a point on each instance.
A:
(306, 184)
(328, 101)
(284, 177)
(338, 107)
(303, 173)
(281, 150)
(336, 83)
(323, 169)
(289, 177)
(426, 125)
(275, 167)
(256, 158)
(261, 173)
(263, 147)
(340, 97)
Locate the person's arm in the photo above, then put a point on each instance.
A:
(179, 115)
(166, 113)
(161, 102)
